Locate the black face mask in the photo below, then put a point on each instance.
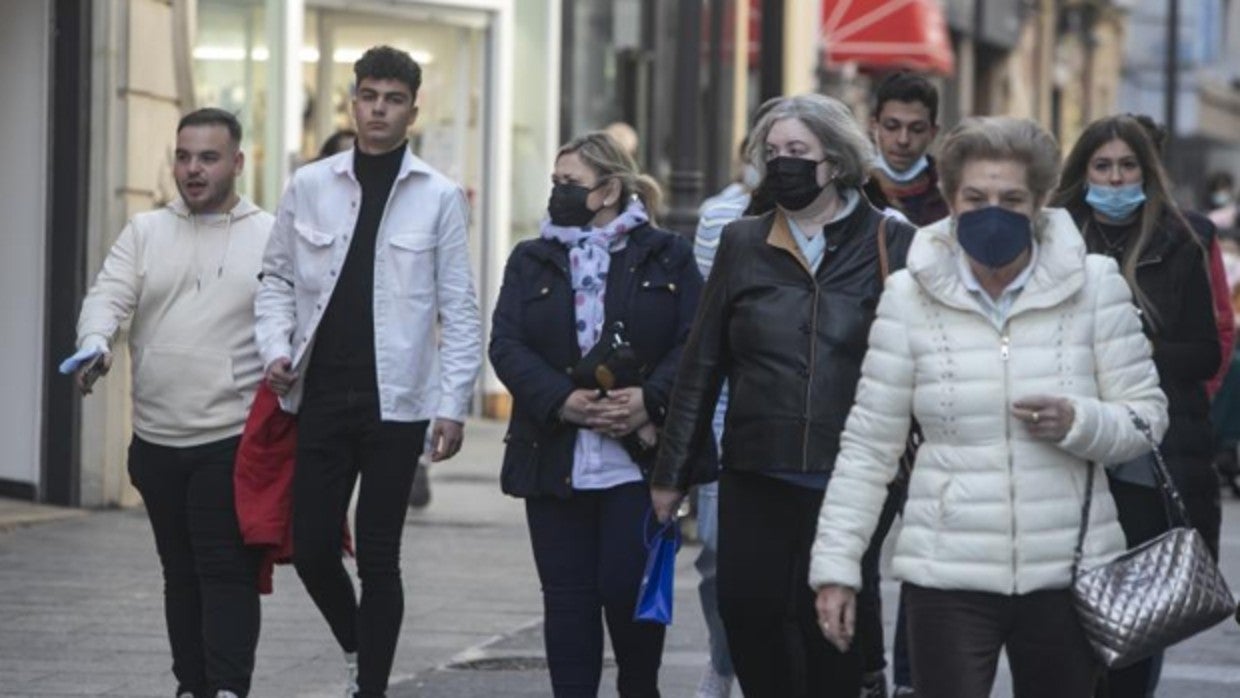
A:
(793, 181)
(567, 206)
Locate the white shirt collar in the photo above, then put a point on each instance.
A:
(996, 308)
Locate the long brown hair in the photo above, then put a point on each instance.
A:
(1159, 211)
(609, 160)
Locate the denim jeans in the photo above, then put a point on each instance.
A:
(210, 577)
(340, 438)
(590, 552)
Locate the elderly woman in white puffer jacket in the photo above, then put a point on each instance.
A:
(1020, 357)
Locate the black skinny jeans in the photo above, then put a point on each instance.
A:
(210, 577)
(590, 553)
(766, 528)
(339, 437)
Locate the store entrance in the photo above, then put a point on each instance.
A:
(231, 71)
(450, 47)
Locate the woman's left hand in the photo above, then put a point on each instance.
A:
(1047, 418)
(626, 411)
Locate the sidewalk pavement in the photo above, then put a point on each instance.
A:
(15, 513)
(81, 611)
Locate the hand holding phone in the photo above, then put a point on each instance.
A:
(90, 372)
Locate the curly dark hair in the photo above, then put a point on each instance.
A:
(903, 86)
(387, 63)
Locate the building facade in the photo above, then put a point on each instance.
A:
(1206, 128)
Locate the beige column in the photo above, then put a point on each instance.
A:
(136, 106)
(802, 29)
(740, 71)
(282, 136)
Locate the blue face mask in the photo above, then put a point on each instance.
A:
(922, 164)
(1116, 203)
(994, 236)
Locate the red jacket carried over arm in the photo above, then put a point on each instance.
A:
(1224, 315)
(263, 483)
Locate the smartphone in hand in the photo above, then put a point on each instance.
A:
(91, 373)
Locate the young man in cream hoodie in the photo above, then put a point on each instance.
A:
(186, 274)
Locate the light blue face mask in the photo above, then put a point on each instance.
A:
(922, 164)
(1115, 203)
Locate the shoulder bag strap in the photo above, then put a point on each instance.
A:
(1173, 504)
(1080, 538)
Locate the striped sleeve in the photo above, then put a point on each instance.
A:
(716, 213)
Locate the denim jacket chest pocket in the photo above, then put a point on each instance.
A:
(315, 256)
(412, 263)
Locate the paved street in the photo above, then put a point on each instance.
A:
(80, 611)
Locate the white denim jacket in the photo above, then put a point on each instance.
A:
(428, 338)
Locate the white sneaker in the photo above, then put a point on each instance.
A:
(226, 694)
(350, 674)
(713, 684)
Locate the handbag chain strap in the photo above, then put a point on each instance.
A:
(1173, 504)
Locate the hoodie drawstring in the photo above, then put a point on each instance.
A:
(219, 270)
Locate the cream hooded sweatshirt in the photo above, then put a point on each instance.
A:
(188, 283)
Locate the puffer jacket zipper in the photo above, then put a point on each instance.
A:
(1005, 350)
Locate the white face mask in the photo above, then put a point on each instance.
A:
(1220, 198)
(903, 177)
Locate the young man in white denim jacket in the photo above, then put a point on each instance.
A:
(369, 328)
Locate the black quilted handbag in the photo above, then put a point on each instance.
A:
(1155, 595)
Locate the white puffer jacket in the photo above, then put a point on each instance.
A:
(990, 508)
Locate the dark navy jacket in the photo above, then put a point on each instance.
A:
(652, 287)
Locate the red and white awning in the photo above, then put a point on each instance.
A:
(887, 34)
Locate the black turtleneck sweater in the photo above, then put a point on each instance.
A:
(344, 350)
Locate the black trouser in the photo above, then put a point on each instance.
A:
(339, 436)
(210, 576)
(1143, 517)
(766, 528)
(590, 552)
(955, 638)
(870, 605)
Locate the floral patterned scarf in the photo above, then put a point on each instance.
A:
(589, 256)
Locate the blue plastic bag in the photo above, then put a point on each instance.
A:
(654, 596)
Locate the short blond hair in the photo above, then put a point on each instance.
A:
(609, 160)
